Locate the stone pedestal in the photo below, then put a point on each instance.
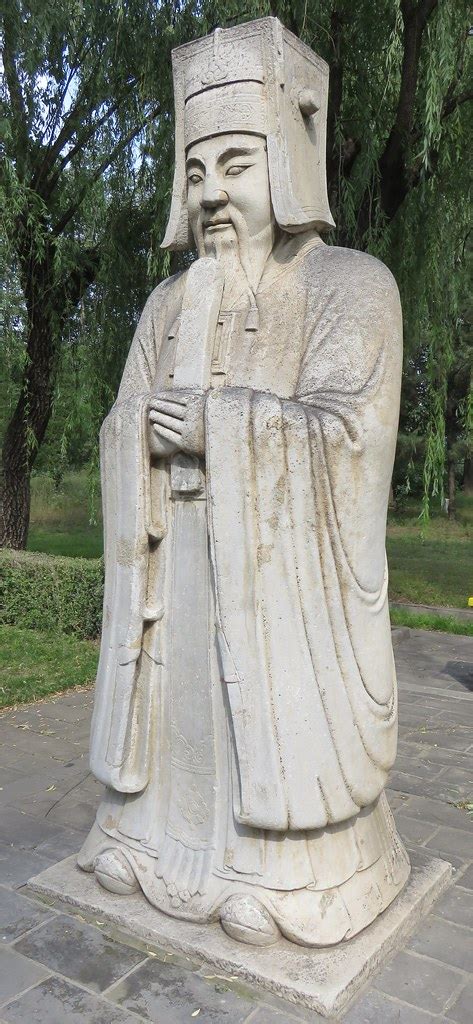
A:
(325, 980)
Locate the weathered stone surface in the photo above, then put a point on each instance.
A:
(245, 730)
(324, 980)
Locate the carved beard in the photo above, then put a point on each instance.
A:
(232, 249)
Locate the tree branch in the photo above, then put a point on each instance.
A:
(74, 119)
(20, 120)
(334, 102)
(392, 164)
(82, 141)
(100, 170)
(54, 115)
(424, 10)
(451, 104)
(71, 289)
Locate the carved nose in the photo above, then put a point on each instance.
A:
(213, 197)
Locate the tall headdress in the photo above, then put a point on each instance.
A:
(255, 78)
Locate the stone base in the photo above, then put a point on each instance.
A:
(325, 980)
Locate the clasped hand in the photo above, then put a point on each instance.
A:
(176, 423)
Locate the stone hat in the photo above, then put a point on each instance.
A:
(255, 78)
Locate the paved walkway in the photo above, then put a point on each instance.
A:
(57, 969)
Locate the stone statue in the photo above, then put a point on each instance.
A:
(245, 717)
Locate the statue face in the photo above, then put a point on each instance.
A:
(228, 187)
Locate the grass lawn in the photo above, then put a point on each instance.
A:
(433, 565)
(438, 572)
(35, 665)
(424, 620)
(76, 542)
(61, 517)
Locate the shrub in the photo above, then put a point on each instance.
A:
(48, 592)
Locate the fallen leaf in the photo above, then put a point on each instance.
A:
(223, 977)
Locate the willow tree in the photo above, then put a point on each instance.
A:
(88, 105)
(399, 180)
(84, 84)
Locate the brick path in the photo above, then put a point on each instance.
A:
(57, 969)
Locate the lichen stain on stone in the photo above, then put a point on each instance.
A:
(264, 554)
(326, 902)
(280, 489)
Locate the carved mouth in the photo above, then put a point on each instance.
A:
(214, 225)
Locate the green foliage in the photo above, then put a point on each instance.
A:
(88, 133)
(37, 664)
(44, 592)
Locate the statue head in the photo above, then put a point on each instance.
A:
(228, 192)
(251, 106)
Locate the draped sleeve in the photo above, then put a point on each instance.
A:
(298, 490)
(122, 705)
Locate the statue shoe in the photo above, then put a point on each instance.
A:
(245, 919)
(114, 872)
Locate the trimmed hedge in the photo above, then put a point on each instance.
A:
(50, 592)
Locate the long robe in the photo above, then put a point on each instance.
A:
(246, 693)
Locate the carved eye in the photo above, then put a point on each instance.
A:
(233, 171)
(194, 179)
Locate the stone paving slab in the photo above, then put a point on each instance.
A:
(67, 946)
(422, 981)
(17, 973)
(435, 674)
(56, 1001)
(162, 992)
(19, 914)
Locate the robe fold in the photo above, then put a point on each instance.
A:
(300, 431)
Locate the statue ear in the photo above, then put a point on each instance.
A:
(284, 177)
(178, 233)
(297, 141)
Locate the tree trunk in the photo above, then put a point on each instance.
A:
(451, 489)
(27, 427)
(15, 509)
(468, 475)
